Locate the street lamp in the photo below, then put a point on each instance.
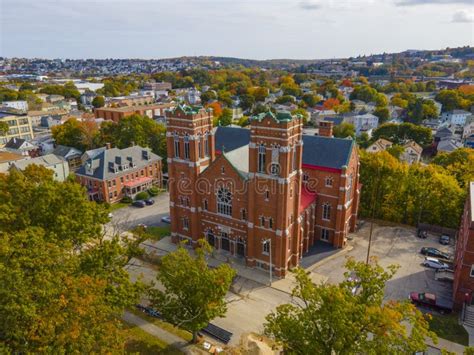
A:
(269, 241)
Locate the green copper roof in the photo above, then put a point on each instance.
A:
(188, 110)
(280, 116)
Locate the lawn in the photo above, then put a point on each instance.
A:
(156, 233)
(118, 205)
(139, 341)
(164, 325)
(447, 327)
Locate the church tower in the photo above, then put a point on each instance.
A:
(190, 145)
(275, 174)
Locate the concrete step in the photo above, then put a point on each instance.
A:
(469, 323)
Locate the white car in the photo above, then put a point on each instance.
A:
(434, 263)
(166, 219)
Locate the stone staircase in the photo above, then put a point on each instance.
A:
(469, 316)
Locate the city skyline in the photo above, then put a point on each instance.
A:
(244, 29)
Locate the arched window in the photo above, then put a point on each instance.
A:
(176, 146)
(200, 153)
(224, 201)
(206, 144)
(326, 211)
(186, 147)
(262, 152)
(294, 158)
(210, 238)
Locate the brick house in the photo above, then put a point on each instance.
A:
(255, 193)
(115, 173)
(464, 258)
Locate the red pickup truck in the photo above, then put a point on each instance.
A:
(429, 300)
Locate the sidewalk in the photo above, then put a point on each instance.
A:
(447, 345)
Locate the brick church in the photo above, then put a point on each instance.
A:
(268, 192)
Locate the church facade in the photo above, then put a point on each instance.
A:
(266, 194)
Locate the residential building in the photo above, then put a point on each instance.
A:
(193, 96)
(50, 161)
(117, 113)
(111, 173)
(71, 155)
(8, 158)
(463, 285)
(22, 147)
(455, 117)
(379, 145)
(19, 127)
(19, 105)
(448, 145)
(362, 123)
(411, 152)
(87, 97)
(131, 100)
(260, 194)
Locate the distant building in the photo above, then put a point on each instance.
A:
(411, 152)
(87, 98)
(455, 117)
(117, 113)
(8, 158)
(22, 147)
(19, 127)
(20, 105)
(131, 100)
(363, 123)
(71, 155)
(50, 161)
(193, 96)
(379, 145)
(463, 285)
(111, 173)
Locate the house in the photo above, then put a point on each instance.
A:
(411, 152)
(264, 195)
(362, 123)
(19, 127)
(117, 113)
(379, 145)
(23, 147)
(50, 161)
(463, 285)
(193, 96)
(455, 117)
(448, 145)
(70, 154)
(8, 158)
(111, 173)
(19, 105)
(87, 97)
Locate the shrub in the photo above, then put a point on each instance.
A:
(142, 195)
(127, 199)
(153, 191)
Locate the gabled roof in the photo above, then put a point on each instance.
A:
(415, 146)
(280, 116)
(19, 143)
(239, 159)
(45, 160)
(66, 152)
(229, 138)
(327, 152)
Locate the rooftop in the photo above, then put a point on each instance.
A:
(45, 160)
(6, 157)
(280, 116)
(135, 108)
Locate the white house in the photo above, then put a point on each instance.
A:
(363, 123)
(53, 162)
(457, 117)
(19, 105)
(193, 96)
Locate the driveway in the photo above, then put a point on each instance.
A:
(126, 218)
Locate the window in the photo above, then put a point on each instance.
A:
(326, 211)
(294, 158)
(267, 195)
(121, 179)
(224, 202)
(261, 158)
(291, 193)
(244, 214)
(266, 247)
(185, 222)
(176, 146)
(206, 144)
(305, 177)
(222, 170)
(225, 243)
(204, 205)
(324, 234)
(262, 221)
(270, 223)
(472, 271)
(200, 146)
(349, 188)
(114, 182)
(210, 238)
(328, 182)
(275, 169)
(186, 147)
(109, 183)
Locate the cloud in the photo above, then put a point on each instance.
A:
(310, 5)
(463, 16)
(431, 2)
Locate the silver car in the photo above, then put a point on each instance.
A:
(434, 263)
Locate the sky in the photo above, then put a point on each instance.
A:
(255, 29)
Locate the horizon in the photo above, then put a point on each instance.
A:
(261, 30)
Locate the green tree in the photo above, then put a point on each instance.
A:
(382, 113)
(225, 119)
(80, 135)
(344, 130)
(208, 96)
(459, 163)
(331, 319)
(285, 99)
(363, 140)
(4, 127)
(396, 151)
(247, 102)
(302, 112)
(400, 133)
(194, 293)
(311, 100)
(98, 101)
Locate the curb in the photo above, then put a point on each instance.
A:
(331, 257)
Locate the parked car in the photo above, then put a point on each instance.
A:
(434, 263)
(149, 201)
(434, 252)
(139, 204)
(444, 239)
(429, 300)
(166, 219)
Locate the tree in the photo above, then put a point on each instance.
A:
(344, 130)
(459, 163)
(310, 100)
(303, 113)
(194, 293)
(400, 133)
(70, 134)
(247, 102)
(382, 113)
(363, 140)
(259, 93)
(396, 151)
(420, 109)
(216, 108)
(331, 319)
(330, 104)
(98, 101)
(65, 283)
(285, 99)
(208, 96)
(225, 119)
(4, 127)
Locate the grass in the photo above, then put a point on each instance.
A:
(156, 233)
(118, 205)
(447, 327)
(184, 334)
(140, 342)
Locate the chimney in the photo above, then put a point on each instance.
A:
(325, 128)
(108, 145)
